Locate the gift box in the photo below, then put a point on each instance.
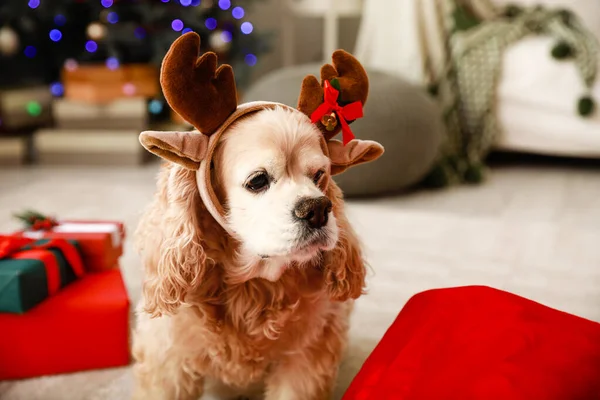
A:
(101, 242)
(30, 270)
(84, 326)
(98, 84)
(477, 342)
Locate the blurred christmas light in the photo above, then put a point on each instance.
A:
(250, 59)
(96, 31)
(34, 3)
(177, 25)
(57, 89)
(224, 4)
(91, 46)
(71, 65)
(112, 63)
(139, 32)
(210, 23)
(195, 3)
(30, 51)
(165, 1)
(33, 108)
(226, 36)
(155, 107)
(186, 30)
(60, 20)
(106, 3)
(112, 17)
(246, 28)
(129, 89)
(237, 12)
(55, 35)
(185, 3)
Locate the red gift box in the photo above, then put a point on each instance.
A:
(85, 326)
(481, 343)
(101, 242)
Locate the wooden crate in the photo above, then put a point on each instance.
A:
(98, 84)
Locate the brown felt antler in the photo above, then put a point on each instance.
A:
(353, 86)
(195, 88)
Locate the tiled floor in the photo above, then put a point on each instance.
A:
(531, 229)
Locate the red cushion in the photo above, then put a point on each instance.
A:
(476, 342)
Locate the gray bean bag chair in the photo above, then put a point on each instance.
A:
(398, 115)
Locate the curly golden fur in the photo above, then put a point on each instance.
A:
(200, 320)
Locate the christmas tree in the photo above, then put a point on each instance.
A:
(38, 38)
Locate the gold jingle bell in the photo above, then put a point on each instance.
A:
(329, 121)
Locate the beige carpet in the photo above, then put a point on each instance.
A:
(531, 230)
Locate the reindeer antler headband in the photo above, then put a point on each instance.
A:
(206, 97)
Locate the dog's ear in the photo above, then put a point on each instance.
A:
(184, 148)
(171, 237)
(354, 153)
(344, 266)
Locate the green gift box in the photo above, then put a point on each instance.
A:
(32, 270)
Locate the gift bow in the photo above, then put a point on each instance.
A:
(11, 246)
(349, 112)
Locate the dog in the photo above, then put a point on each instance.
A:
(251, 266)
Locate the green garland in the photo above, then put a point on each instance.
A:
(34, 220)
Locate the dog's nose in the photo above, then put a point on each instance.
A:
(315, 211)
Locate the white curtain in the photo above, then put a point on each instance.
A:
(406, 37)
(402, 37)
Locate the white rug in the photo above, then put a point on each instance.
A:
(530, 230)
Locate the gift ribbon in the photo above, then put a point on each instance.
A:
(349, 112)
(20, 247)
(81, 227)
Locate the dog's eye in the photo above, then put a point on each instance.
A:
(318, 176)
(258, 182)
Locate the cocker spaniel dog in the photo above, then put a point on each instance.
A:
(251, 265)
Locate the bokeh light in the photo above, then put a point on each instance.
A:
(33, 3)
(33, 108)
(224, 4)
(112, 63)
(238, 12)
(177, 25)
(226, 36)
(129, 89)
(155, 106)
(57, 89)
(112, 17)
(30, 51)
(185, 3)
(55, 35)
(60, 20)
(195, 3)
(250, 59)
(71, 65)
(165, 1)
(91, 46)
(106, 3)
(210, 23)
(186, 30)
(246, 28)
(139, 32)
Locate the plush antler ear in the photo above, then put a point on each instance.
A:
(354, 153)
(194, 88)
(352, 83)
(184, 148)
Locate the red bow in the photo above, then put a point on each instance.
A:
(349, 112)
(12, 245)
